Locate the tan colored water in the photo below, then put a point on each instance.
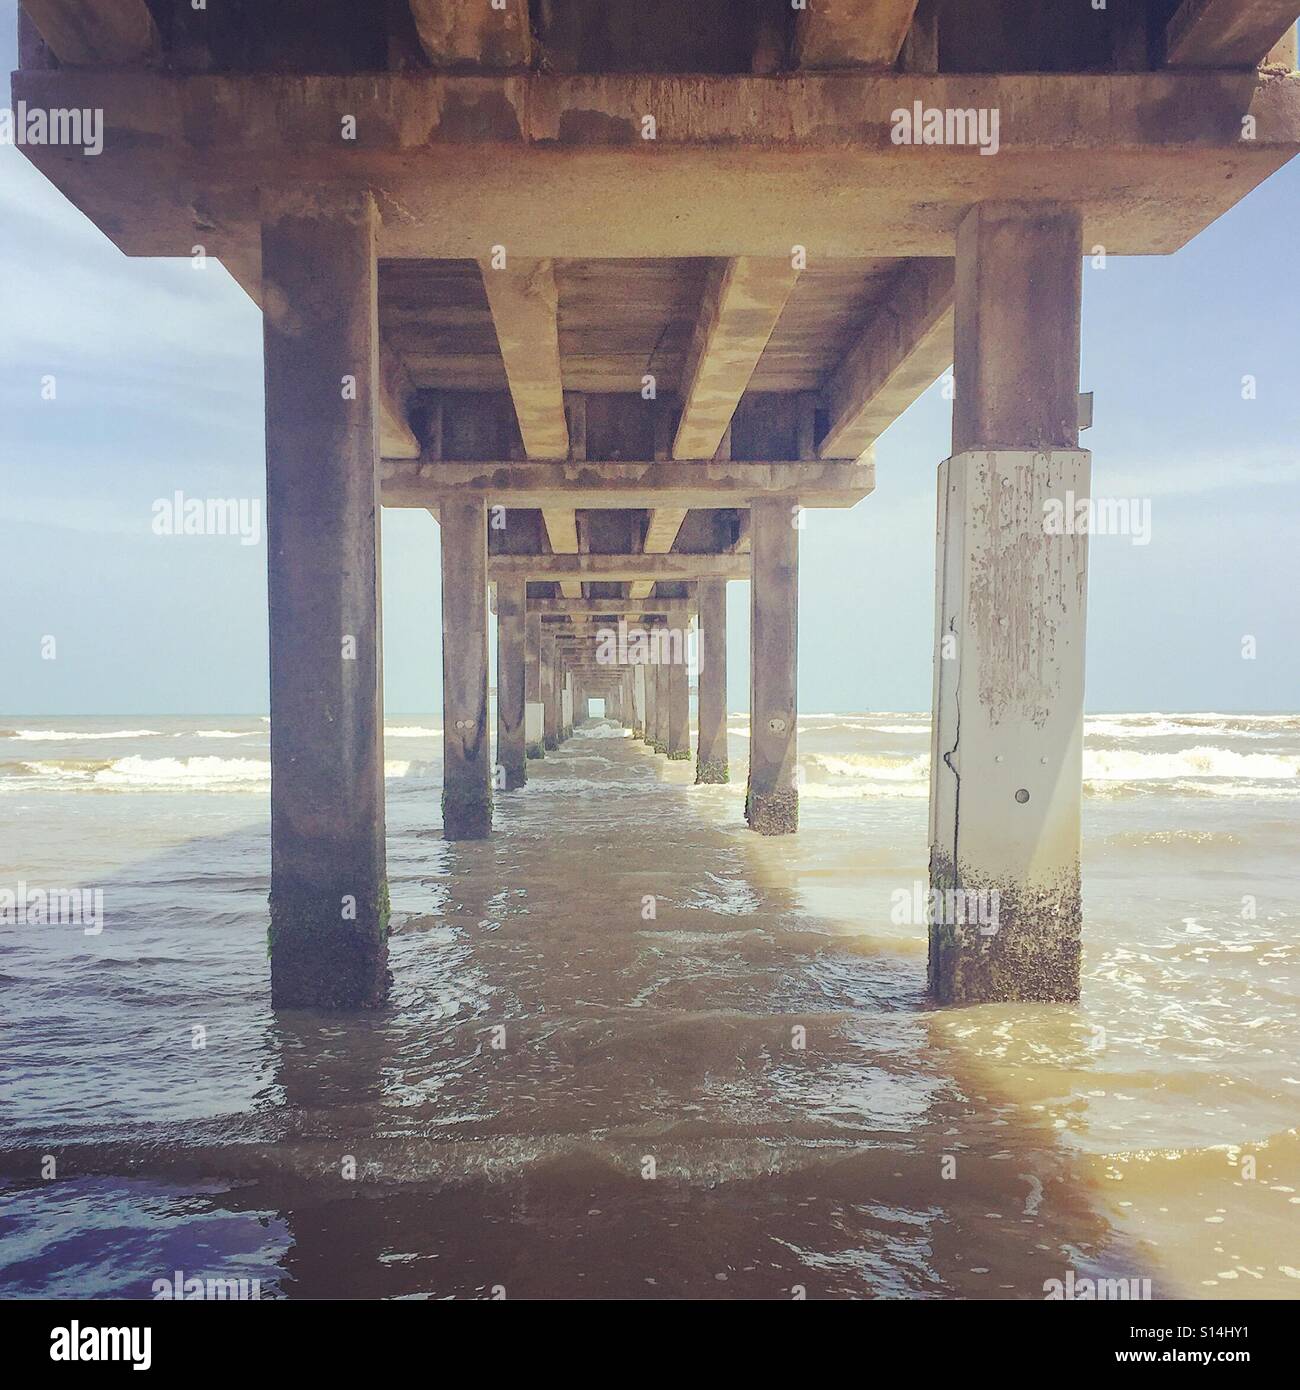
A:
(719, 1075)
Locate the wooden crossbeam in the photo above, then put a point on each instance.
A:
(742, 302)
(905, 346)
(1226, 33)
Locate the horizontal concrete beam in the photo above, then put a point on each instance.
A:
(461, 33)
(742, 302)
(664, 483)
(523, 300)
(617, 568)
(608, 607)
(1226, 33)
(851, 33)
(555, 165)
(106, 33)
(396, 437)
(904, 347)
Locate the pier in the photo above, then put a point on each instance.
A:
(618, 293)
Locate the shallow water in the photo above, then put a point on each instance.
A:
(719, 1075)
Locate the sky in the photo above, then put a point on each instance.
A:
(157, 371)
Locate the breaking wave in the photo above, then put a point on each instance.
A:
(75, 736)
(1205, 760)
(199, 774)
(1204, 769)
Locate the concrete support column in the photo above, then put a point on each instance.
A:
(550, 691)
(627, 699)
(466, 760)
(1007, 743)
(772, 799)
(636, 700)
(650, 694)
(663, 696)
(534, 710)
(679, 688)
(329, 894)
(511, 752)
(711, 751)
(566, 704)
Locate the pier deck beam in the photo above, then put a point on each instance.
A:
(512, 754)
(711, 715)
(329, 894)
(466, 758)
(772, 799)
(1007, 749)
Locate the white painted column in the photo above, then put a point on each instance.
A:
(1007, 743)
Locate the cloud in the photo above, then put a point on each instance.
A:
(71, 298)
(1183, 476)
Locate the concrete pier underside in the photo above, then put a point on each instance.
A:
(617, 311)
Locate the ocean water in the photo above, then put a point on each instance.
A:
(635, 1051)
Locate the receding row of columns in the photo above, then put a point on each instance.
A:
(547, 671)
(1007, 741)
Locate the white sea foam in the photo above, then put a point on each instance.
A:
(873, 766)
(77, 735)
(1205, 769)
(1205, 760)
(864, 789)
(1126, 726)
(198, 774)
(190, 773)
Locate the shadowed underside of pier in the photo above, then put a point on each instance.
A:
(617, 292)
